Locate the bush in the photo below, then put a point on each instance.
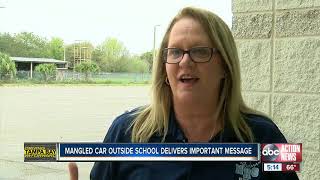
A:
(87, 68)
(137, 66)
(7, 67)
(46, 72)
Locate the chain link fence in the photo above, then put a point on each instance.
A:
(68, 76)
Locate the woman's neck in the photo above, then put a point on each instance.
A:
(199, 122)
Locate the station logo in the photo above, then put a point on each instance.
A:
(281, 152)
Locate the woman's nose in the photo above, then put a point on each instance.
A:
(186, 61)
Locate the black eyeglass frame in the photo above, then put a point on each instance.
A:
(164, 55)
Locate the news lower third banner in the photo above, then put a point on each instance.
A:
(52, 152)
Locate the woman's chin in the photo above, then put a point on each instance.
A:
(187, 96)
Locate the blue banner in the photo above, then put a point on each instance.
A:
(158, 151)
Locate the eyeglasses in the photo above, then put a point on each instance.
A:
(197, 54)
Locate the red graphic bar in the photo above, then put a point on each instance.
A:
(287, 167)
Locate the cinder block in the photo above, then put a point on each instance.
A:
(310, 165)
(290, 4)
(255, 64)
(252, 26)
(297, 23)
(257, 101)
(297, 65)
(251, 5)
(298, 118)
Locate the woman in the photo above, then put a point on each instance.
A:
(196, 97)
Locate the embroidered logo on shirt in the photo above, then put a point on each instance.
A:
(247, 171)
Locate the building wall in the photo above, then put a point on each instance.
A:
(279, 47)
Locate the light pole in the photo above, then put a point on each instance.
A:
(154, 40)
(64, 53)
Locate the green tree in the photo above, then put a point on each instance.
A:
(114, 48)
(30, 45)
(7, 67)
(137, 65)
(7, 43)
(47, 72)
(112, 56)
(87, 68)
(148, 58)
(56, 47)
(27, 44)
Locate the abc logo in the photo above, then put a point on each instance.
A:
(270, 152)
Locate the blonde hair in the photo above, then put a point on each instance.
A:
(155, 117)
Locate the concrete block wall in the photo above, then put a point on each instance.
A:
(279, 48)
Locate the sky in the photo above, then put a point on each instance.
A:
(130, 21)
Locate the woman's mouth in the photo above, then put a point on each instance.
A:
(188, 79)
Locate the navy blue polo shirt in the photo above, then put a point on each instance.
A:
(264, 130)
